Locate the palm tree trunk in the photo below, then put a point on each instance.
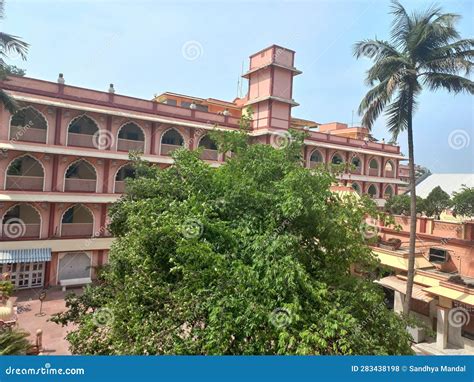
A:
(411, 255)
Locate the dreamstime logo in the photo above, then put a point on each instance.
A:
(369, 228)
(14, 228)
(280, 317)
(281, 140)
(102, 139)
(103, 316)
(192, 50)
(192, 229)
(370, 50)
(459, 139)
(458, 317)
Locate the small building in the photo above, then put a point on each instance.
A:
(443, 291)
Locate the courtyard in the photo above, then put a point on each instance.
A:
(28, 309)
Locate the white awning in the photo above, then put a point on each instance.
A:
(25, 255)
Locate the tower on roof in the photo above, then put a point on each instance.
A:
(271, 87)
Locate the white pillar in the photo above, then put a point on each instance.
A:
(442, 328)
(398, 301)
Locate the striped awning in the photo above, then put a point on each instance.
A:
(25, 255)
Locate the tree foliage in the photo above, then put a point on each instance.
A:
(425, 50)
(9, 44)
(400, 205)
(14, 342)
(252, 257)
(463, 202)
(436, 202)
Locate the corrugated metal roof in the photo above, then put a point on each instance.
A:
(25, 255)
(393, 282)
(448, 182)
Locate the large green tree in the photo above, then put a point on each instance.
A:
(436, 202)
(253, 257)
(9, 44)
(463, 202)
(425, 51)
(400, 205)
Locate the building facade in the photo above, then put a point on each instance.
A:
(65, 157)
(443, 291)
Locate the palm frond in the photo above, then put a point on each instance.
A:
(398, 114)
(386, 68)
(450, 82)
(8, 102)
(14, 342)
(401, 24)
(374, 102)
(12, 44)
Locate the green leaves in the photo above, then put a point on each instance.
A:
(463, 202)
(424, 49)
(252, 257)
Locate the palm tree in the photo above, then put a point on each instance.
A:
(425, 50)
(9, 44)
(14, 342)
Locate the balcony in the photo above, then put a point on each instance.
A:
(168, 149)
(27, 134)
(80, 185)
(24, 183)
(130, 145)
(82, 140)
(356, 171)
(26, 231)
(208, 154)
(313, 164)
(373, 172)
(77, 229)
(390, 174)
(119, 186)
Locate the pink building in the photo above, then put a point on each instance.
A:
(65, 159)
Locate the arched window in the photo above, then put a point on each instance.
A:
(28, 125)
(80, 176)
(373, 167)
(131, 138)
(21, 221)
(75, 266)
(337, 159)
(372, 191)
(357, 164)
(356, 187)
(81, 132)
(389, 169)
(210, 148)
(125, 172)
(170, 141)
(77, 221)
(315, 159)
(388, 192)
(25, 173)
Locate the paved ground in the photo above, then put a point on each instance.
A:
(28, 306)
(430, 348)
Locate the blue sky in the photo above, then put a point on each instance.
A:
(138, 46)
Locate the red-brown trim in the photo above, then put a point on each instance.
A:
(105, 185)
(153, 138)
(114, 104)
(57, 126)
(52, 213)
(54, 175)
